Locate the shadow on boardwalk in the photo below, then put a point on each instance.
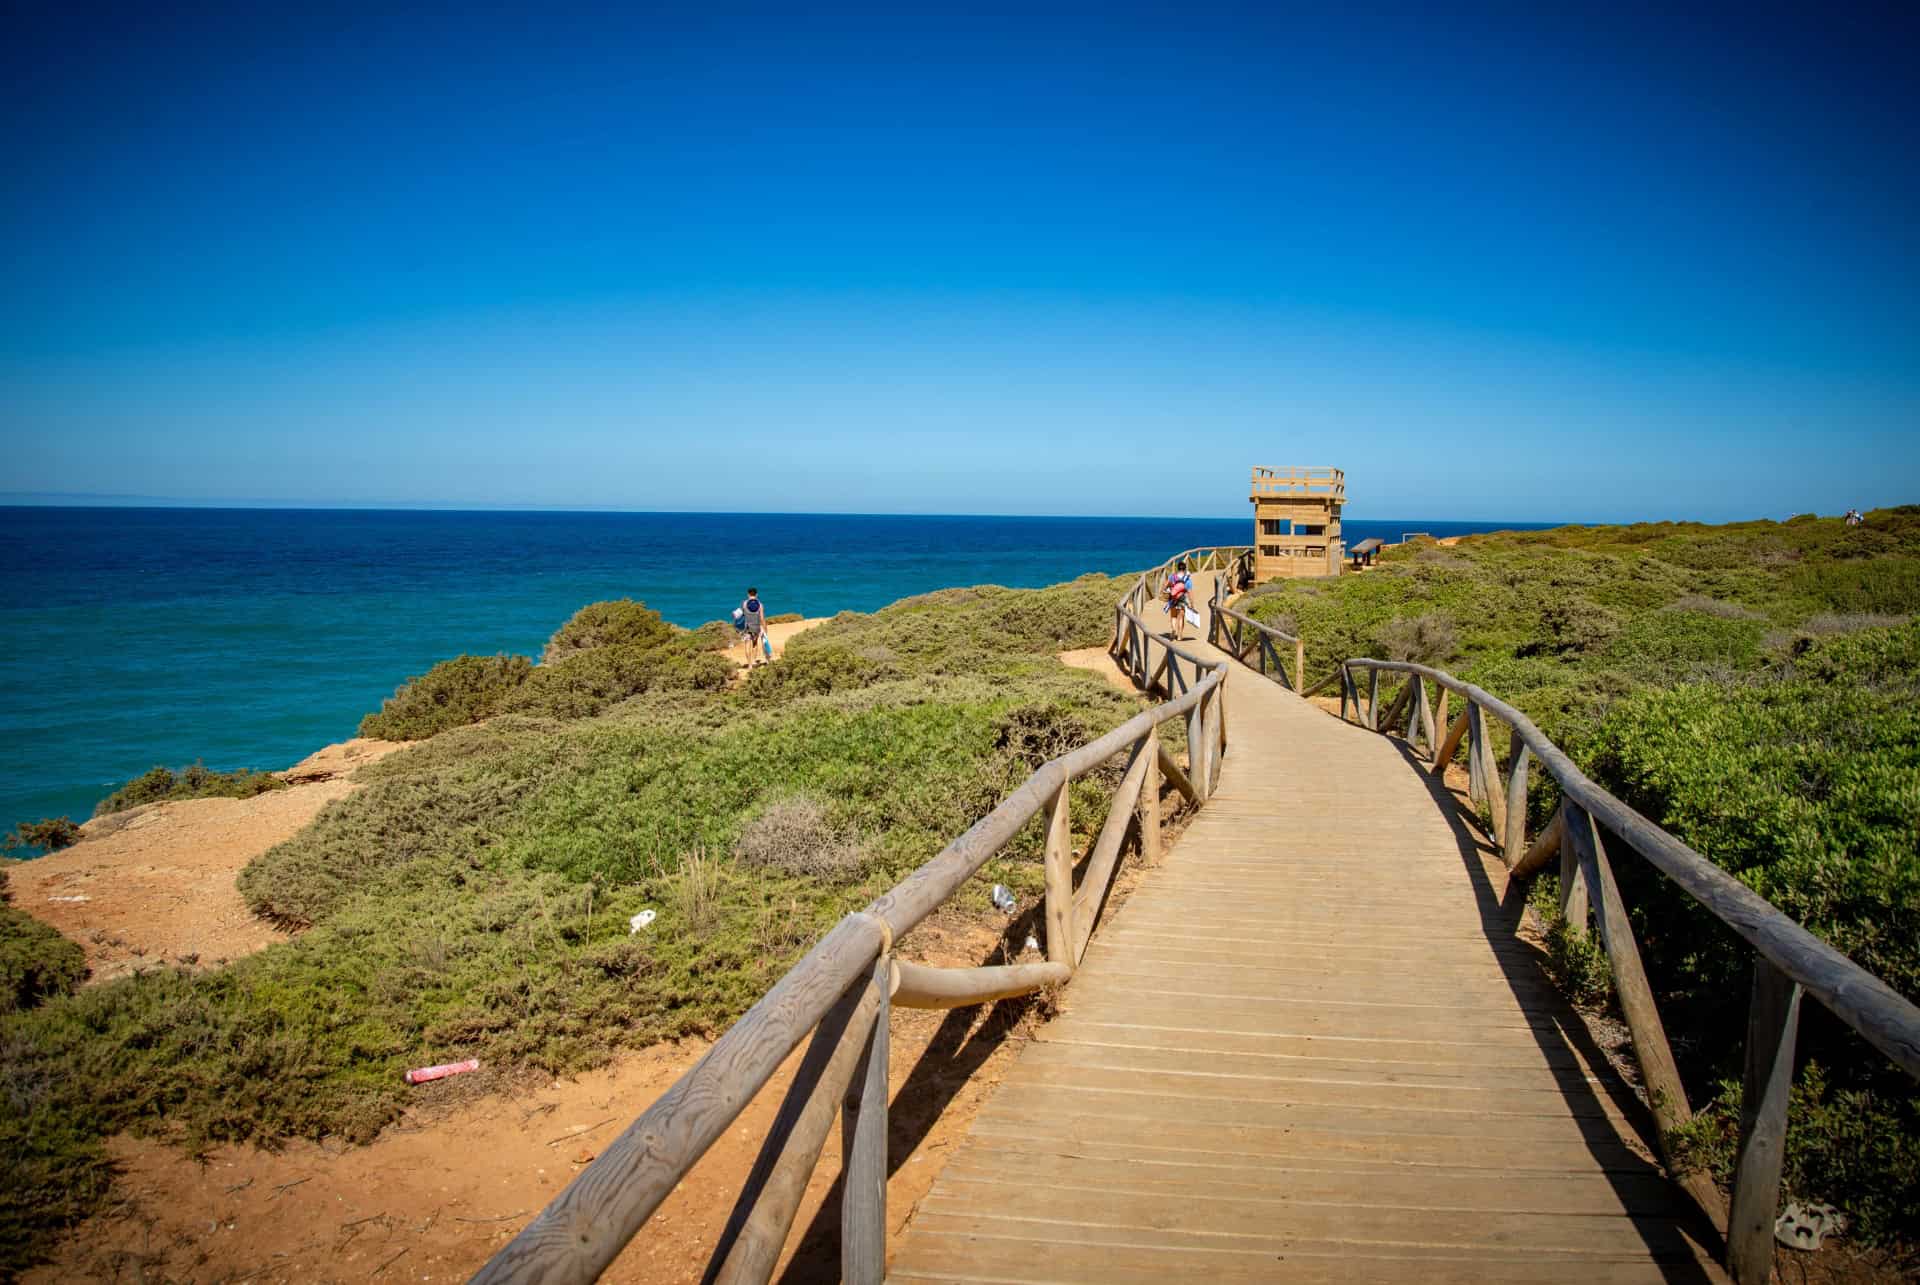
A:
(1567, 1038)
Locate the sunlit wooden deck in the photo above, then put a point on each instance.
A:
(1309, 1048)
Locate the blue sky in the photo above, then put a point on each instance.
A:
(1517, 261)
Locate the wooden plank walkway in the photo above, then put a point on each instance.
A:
(1308, 1048)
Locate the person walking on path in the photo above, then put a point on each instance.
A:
(753, 622)
(1179, 589)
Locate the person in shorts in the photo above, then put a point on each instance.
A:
(1179, 588)
(753, 623)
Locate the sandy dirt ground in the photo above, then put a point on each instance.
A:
(154, 885)
(436, 1194)
(1100, 662)
(779, 635)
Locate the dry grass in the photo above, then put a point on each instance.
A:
(797, 835)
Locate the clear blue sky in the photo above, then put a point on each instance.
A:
(1527, 261)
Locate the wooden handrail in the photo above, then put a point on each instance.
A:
(1264, 641)
(1789, 961)
(842, 991)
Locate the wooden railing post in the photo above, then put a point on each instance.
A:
(1059, 875)
(1476, 735)
(1773, 1019)
(1220, 721)
(1514, 845)
(1197, 749)
(1299, 665)
(1150, 801)
(1373, 700)
(863, 1150)
(1665, 1094)
(1573, 883)
(750, 1246)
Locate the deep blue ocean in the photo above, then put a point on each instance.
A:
(250, 637)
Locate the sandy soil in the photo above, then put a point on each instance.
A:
(1100, 662)
(462, 1172)
(154, 884)
(778, 635)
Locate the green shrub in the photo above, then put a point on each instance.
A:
(583, 683)
(158, 785)
(48, 835)
(816, 669)
(1428, 639)
(1850, 1146)
(452, 694)
(1576, 961)
(36, 962)
(621, 622)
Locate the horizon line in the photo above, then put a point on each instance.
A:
(41, 500)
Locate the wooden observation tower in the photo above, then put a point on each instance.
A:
(1296, 522)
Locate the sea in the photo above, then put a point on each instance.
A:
(135, 637)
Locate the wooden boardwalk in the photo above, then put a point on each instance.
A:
(1309, 1048)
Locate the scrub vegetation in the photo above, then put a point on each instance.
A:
(473, 899)
(161, 785)
(1755, 689)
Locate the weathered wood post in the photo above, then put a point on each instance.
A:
(863, 1149)
(1150, 801)
(1059, 874)
(1773, 1019)
(1476, 732)
(750, 1246)
(1515, 844)
(1665, 1094)
(1299, 665)
(1442, 755)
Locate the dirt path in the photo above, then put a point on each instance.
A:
(779, 635)
(154, 884)
(436, 1194)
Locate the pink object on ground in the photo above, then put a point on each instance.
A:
(425, 1073)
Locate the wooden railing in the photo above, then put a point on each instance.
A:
(1317, 482)
(1788, 961)
(1241, 636)
(844, 989)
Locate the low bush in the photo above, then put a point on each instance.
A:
(1427, 639)
(585, 682)
(797, 835)
(159, 785)
(1856, 1144)
(621, 622)
(48, 835)
(36, 962)
(452, 694)
(1577, 963)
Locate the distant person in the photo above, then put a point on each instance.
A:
(1855, 517)
(752, 618)
(1179, 591)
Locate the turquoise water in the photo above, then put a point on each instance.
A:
(250, 637)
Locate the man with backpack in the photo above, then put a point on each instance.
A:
(752, 621)
(1178, 590)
